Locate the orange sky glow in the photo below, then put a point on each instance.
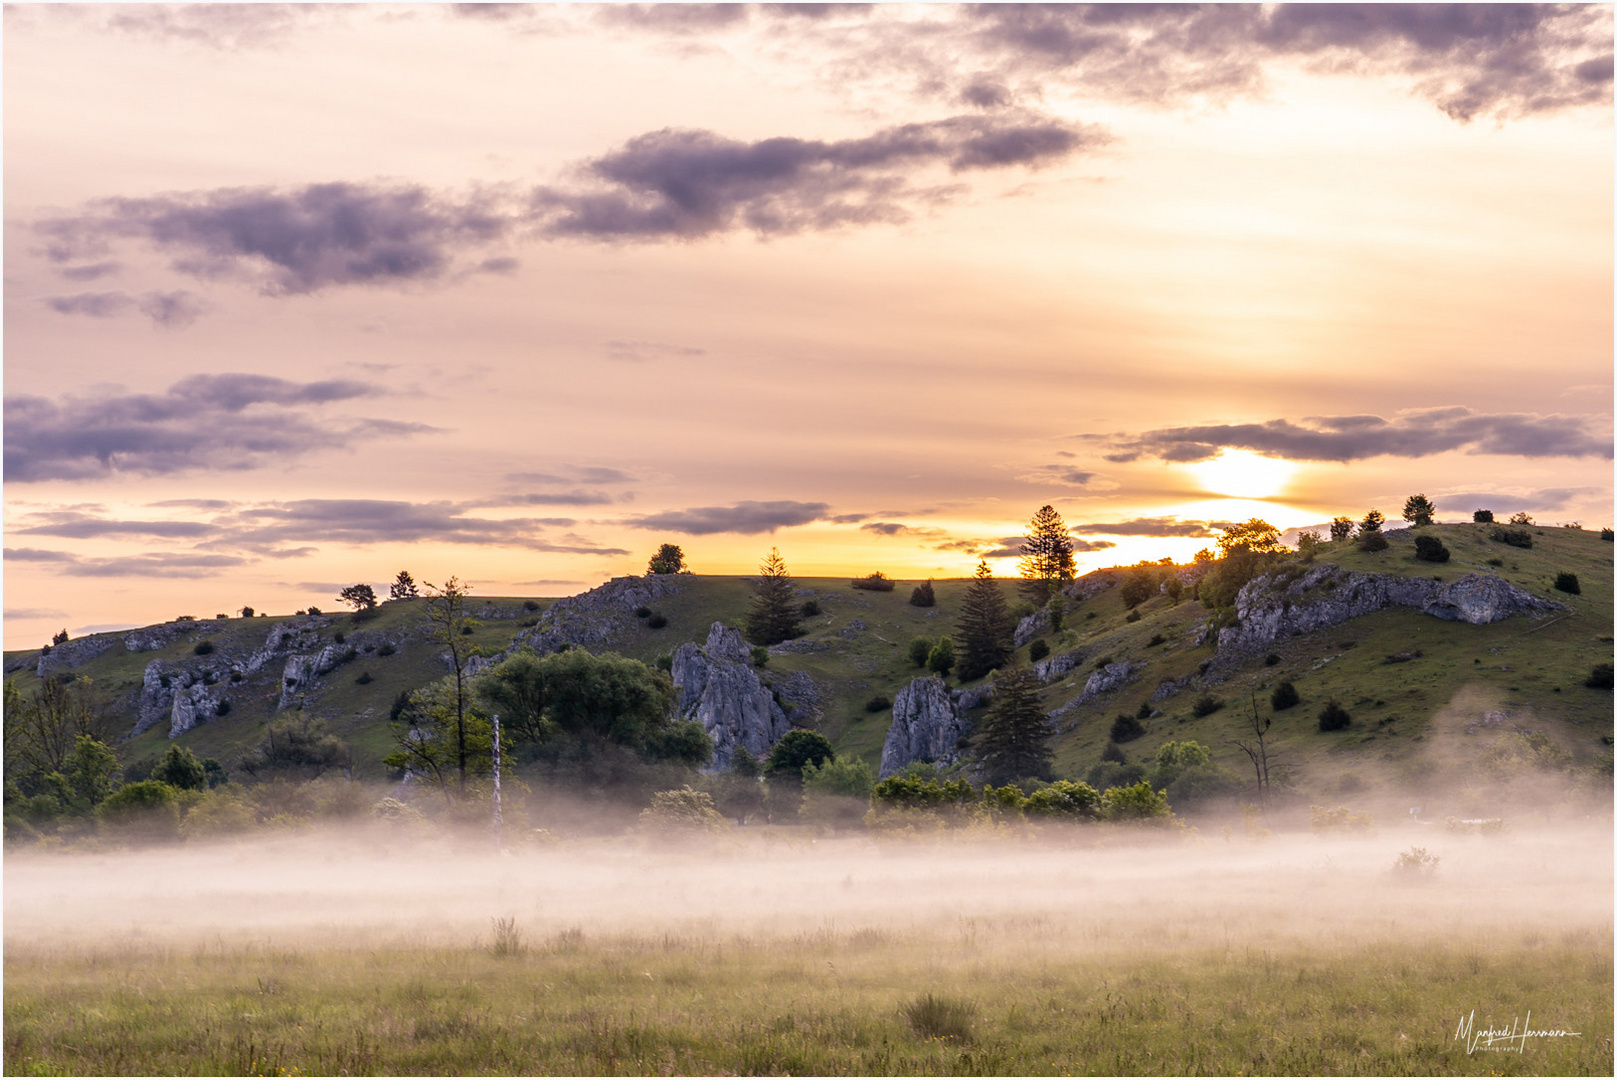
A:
(301, 297)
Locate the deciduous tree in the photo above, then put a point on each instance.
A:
(362, 597)
(447, 625)
(668, 560)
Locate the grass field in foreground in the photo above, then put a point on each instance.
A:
(1013, 999)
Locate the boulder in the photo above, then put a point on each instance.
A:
(1052, 668)
(719, 689)
(927, 725)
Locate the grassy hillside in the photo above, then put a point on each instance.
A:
(1408, 717)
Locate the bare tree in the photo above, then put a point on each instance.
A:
(449, 625)
(1256, 749)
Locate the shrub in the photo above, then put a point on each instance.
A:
(1605, 534)
(941, 659)
(1339, 819)
(1133, 616)
(1600, 677)
(1333, 717)
(530, 605)
(1136, 802)
(760, 655)
(181, 770)
(1064, 799)
(642, 612)
(1156, 639)
(1373, 541)
(932, 1016)
(1284, 697)
(877, 582)
(1126, 729)
(810, 608)
(1496, 562)
(1113, 753)
(796, 749)
(664, 662)
(387, 649)
(879, 703)
(920, 649)
(1430, 549)
(1271, 660)
(1483, 516)
(683, 810)
(1144, 711)
(1206, 705)
(1038, 649)
(143, 810)
(364, 678)
(223, 708)
(314, 610)
(1567, 583)
(1114, 774)
(203, 648)
(1514, 537)
(657, 621)
(1521, 518)
(247, 612)
(1415, 864)
(507, 939)
(922, 595)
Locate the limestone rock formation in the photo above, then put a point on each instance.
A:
(718, 688)
(927, 725)
(1270, 608)
(1107, 680)
(1052, 668)
(596, 618)
(73, 653)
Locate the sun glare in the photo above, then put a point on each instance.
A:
(1243, 474)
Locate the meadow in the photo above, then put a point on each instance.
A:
(776, 952)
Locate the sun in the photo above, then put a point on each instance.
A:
(1243, 474)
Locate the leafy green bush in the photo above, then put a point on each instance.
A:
(1038, 649)
(879, 703)
(1064, 799)
(1373, 541)
(364, 678)
(1415, 864)
(657, 621)
(921, 792)
(1430, 549)
(1206, 705)
(203, 648)
(922, 595)
(941, 659)
(809, 609)
(1600, 677)
(1567, 583)
(530, 605)
(760, 656)
(877, 582)
(1482, 516)
(1136, 803)
(145, 810)
(642, 612)
(387, 649)
(181, 770)
(1126, 729)
(1284, 697)
(1156, 639)
(1333, 717)
(1514, 537)
(796, 749)
(1114, 774)
(1132, 617)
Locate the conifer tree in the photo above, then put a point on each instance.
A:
(1012, 742)
(1046, 556)
(1418, 510)
(773, 617)
(985, 630)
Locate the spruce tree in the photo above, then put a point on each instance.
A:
(1012, 741)
(773, 617)
(986, 632)
(1046, 556)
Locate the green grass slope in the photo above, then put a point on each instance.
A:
(1408, 716)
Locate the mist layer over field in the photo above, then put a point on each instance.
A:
(1117, 893)
(768, 951)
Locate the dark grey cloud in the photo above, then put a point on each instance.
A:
(682, 184)
(291, 242)
(1010, 547)
(377, 521)
(78, 526)
(1060, 474)
(746, 518)
(167, 309)
(893, 528)
(1469, 60)
(576, 497)
(575, 474)
(1161, 526)
(641, 351)
(675, 19)
(1416, 433)
(230, 421)
(162, 564)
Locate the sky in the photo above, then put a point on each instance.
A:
(299, 297)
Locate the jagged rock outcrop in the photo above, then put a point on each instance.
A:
(1272, 607)
(1052, 668)
(71, 654)
(719, 689)
(598, 617)
(1031, 626)
(152, 638)
(1093, 584)
(1107, 680)
(196, 704)
(799, 698)
(927, 725)
(972, 696)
